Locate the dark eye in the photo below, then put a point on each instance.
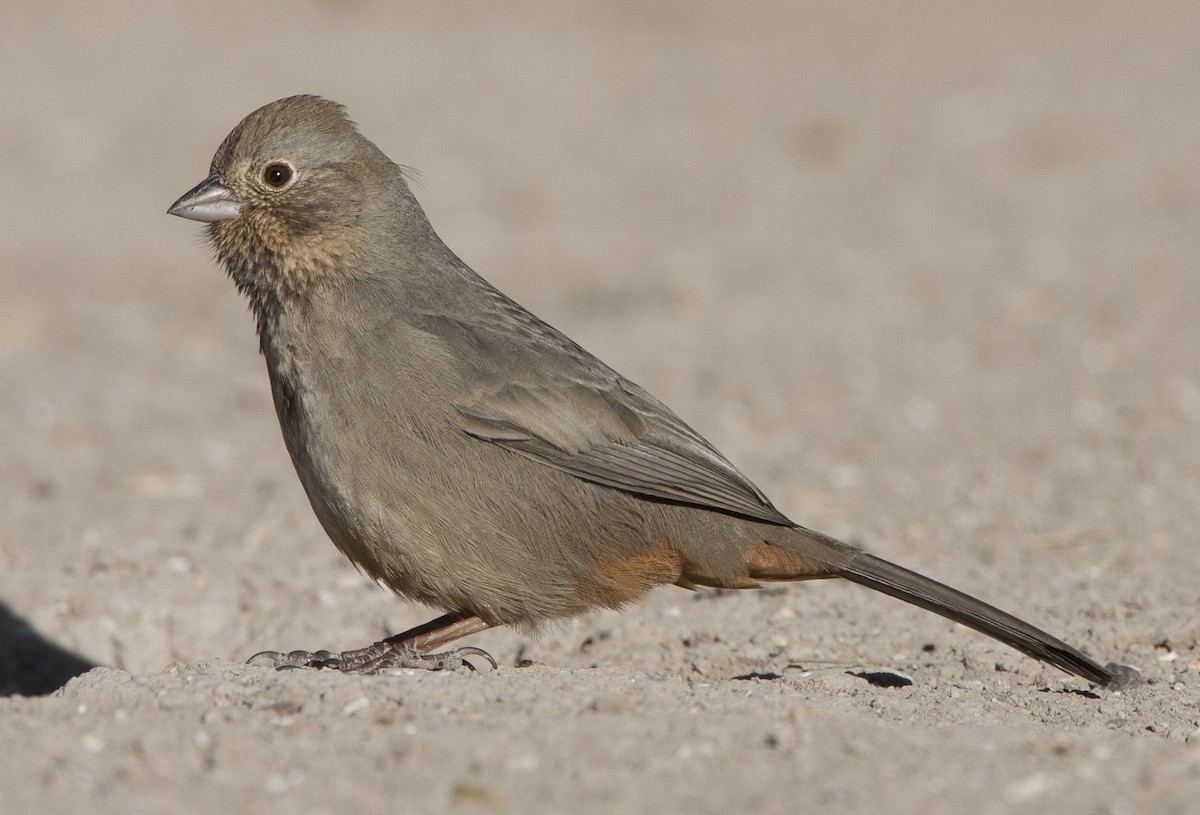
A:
(277, 175)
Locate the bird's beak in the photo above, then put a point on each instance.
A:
(209, 201)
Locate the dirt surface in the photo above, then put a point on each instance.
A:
(927, 275)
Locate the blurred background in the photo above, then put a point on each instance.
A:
(925, 271)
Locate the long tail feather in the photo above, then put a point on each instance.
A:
(876, 573)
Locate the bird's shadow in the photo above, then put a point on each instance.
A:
(882, 679)
(30, 664)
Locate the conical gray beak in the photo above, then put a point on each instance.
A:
(208, 201)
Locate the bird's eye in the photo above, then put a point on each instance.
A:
(277, 175)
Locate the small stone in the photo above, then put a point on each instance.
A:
(1028, 788)
(361, 703)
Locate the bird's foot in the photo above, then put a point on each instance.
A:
(382, 656)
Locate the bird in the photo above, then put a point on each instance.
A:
(464, 453)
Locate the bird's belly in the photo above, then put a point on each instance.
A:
(403, 500)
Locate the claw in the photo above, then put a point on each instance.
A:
(274, 656)
(471, 650)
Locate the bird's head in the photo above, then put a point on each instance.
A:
(288, 198)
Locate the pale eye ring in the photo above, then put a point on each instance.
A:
(277, 175)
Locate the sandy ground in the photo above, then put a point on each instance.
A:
(927, 274)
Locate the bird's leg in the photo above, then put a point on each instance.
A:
(410, 649)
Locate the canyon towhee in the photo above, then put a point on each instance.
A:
(461, 451)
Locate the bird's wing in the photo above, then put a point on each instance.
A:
(563, 407)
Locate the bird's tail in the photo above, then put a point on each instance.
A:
(876, 573)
